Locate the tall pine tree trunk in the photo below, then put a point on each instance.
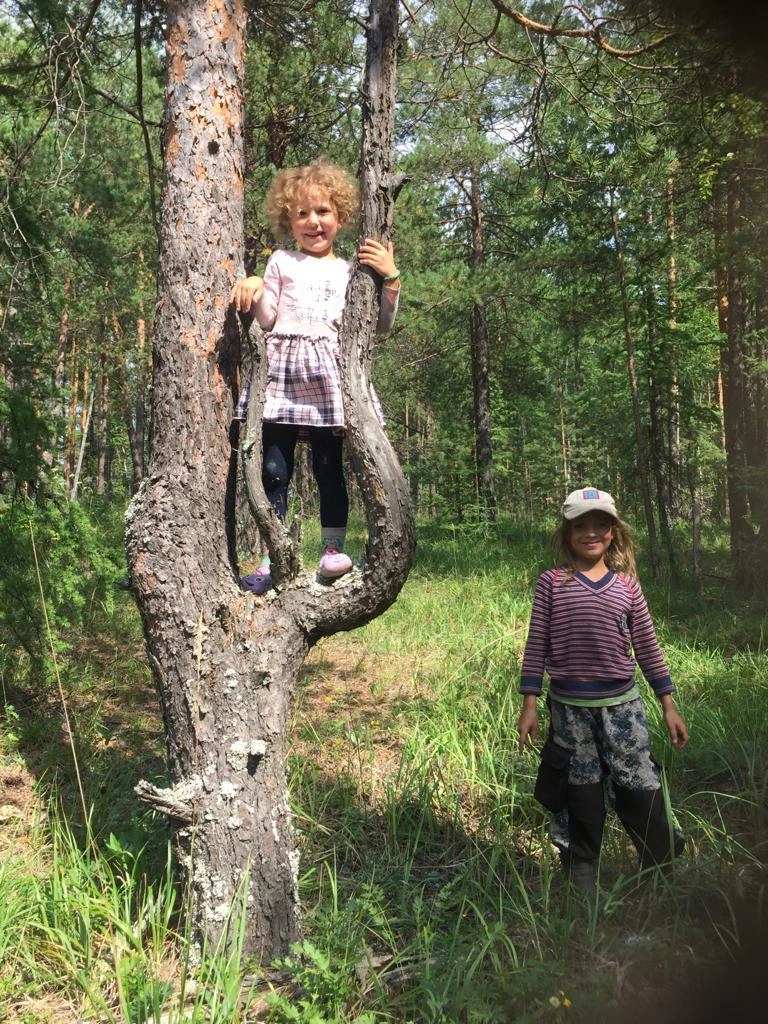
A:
(659, 463)
(101, 428)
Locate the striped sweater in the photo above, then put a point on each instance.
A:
(589, 636)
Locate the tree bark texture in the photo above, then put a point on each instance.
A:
(226, 662)
(222, 664)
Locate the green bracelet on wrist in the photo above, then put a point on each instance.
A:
(391, 277)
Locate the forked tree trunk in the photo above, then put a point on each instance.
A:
(226, 662)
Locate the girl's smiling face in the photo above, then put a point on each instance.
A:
(315, 223)
(589, 538)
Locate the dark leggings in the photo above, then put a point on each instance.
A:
(279, 440)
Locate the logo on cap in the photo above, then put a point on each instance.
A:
(590, 494)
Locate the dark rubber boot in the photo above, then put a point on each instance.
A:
(586, 818)
(580, 873)
(644, 816)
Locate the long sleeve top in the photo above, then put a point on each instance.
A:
(304, 296)
(589, 636)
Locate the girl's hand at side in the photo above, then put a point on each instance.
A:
(379, 257)
(528, 723)
(245, 292)
(676, 727)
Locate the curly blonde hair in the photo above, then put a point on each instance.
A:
(620, 556)
(290, 185)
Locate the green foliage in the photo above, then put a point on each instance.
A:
(302, 77)
(78, 248)
(324, 985)
(57, 549)
(530, 132)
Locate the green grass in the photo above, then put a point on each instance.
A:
(429, 888)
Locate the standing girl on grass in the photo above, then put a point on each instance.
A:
(589, 623)
(299, 304)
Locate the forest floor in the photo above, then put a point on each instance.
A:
(424, 858)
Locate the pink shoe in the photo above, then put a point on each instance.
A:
(333, 564)
(257, 582)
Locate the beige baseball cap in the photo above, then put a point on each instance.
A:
(588, 499)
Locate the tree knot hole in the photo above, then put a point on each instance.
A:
(257, 751)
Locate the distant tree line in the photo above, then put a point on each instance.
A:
(583, 239)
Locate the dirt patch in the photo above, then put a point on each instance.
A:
(345, 713)
(19, 807)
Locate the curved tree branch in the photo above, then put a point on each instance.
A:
(283, 552)
(592, 34)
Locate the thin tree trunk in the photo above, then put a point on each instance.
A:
(132, 408)
(761, 439)
(70, 435)
(51, 456)
(480, 351)
(642, 457)
(426, 440)
(87, 413)
(659, 463)
(564, 446)
(756, 415)
(732, 364)
(101, 433)
(141, 401)
(673, 417)
(578, 470)
(694, 483)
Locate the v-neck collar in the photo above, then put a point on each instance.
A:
(601, 584)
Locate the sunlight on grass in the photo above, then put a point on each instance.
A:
(430, 890)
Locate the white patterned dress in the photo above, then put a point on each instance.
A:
(300, 313)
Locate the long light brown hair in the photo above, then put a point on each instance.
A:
(620, 556)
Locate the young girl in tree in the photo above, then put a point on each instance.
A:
(299, 304)
(589, 615)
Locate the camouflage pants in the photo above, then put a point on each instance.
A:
(612, 740)
(607, 752)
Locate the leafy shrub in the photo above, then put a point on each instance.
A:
(55, 548)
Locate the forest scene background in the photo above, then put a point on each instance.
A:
(582, 239)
